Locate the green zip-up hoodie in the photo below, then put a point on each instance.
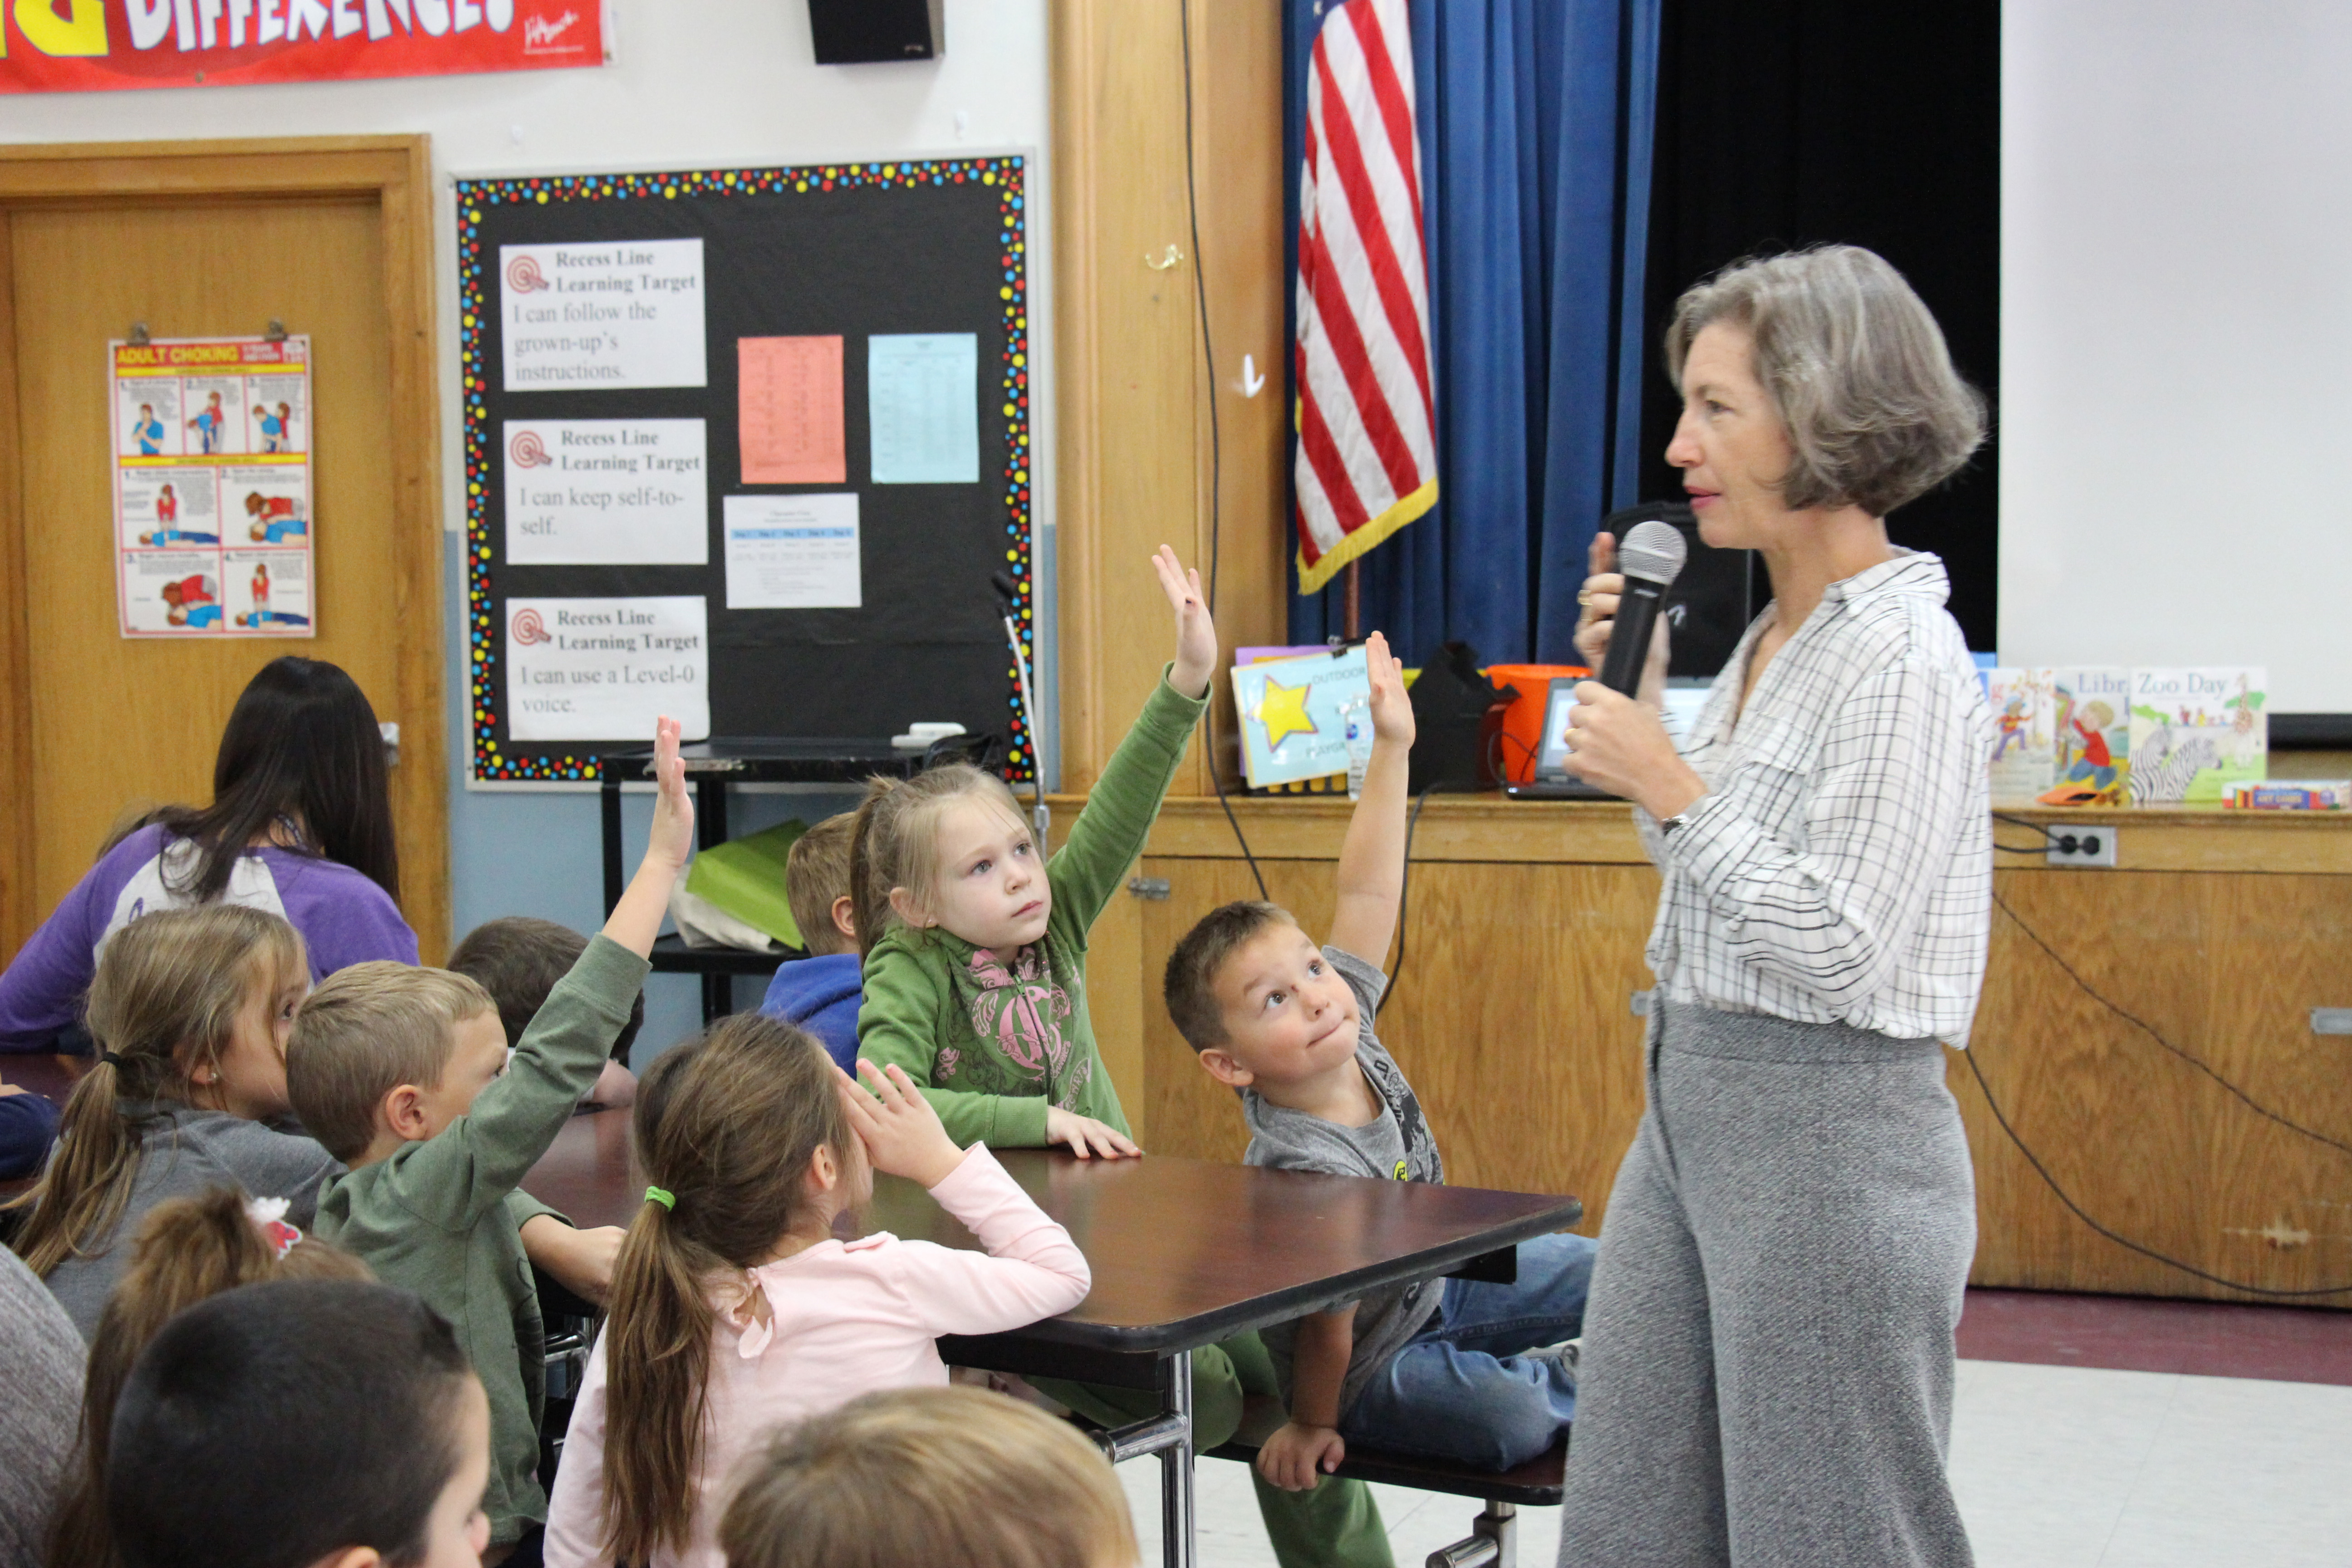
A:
(434, 1218)
(994, 1051)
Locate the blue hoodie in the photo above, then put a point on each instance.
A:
(822, 995)
(29, 1125)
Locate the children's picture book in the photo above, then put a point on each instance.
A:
(1294, 714)
(2093, 726)
(2196, 732)
(2024, 748)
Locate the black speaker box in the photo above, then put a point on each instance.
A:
(862, 32)
(1455, 713)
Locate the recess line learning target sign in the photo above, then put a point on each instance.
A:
(212, 488)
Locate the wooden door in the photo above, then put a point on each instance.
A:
(104, 724)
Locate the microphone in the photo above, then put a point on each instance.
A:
(1651, 558)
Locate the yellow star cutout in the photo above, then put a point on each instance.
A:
(1282, 710)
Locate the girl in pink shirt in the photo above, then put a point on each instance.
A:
(736, 1311)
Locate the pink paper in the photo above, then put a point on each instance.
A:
(788, 410)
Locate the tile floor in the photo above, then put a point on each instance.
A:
(2088, 1432)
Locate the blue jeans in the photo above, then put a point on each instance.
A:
(1462, 1388)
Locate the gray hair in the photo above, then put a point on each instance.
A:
(1855, 367)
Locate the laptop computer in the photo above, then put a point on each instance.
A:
(1552, 779)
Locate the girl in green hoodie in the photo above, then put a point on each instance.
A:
(976, 954)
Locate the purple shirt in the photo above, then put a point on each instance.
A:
(344, 918)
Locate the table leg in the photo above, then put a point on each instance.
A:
(1176, 1542)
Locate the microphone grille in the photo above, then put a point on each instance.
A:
(1653, 551)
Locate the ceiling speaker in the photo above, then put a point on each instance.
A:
(862, 32)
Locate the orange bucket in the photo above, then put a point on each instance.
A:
(1523, 713)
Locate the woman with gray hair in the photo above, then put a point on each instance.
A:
(1767, 1377)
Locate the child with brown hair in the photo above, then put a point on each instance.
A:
(822, 993)
(519, 960)
(736, 1307)
(188, 1250)
(320, 1422)
(917, 1477)
(190, 1010)
(404, 1074)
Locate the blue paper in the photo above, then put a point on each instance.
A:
(922, 402)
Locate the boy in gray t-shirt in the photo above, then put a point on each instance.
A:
(1451, 1368)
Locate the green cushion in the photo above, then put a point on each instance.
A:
(745, 876)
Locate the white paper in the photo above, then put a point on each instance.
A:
(580, 318)
(606, 492)
(604, 669)
(794, 552)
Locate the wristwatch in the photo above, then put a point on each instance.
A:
(1666, 827)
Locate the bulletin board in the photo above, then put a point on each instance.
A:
(840, 585)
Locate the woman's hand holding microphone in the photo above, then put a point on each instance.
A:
(1616, 741)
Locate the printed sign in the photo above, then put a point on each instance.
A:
(212, 486)
(604, 669)
(589, 318)
(84, 46)
(606, 492)
(794, 552)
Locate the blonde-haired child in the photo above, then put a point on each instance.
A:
(975, 986)
(187, 1250)
(924, 1476)
(976, 953)
(190, 1010)
(736, 1309)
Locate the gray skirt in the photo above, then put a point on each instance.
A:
(1767, 1374)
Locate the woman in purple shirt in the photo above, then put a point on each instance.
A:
(301, 825)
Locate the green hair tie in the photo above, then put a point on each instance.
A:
(658, 1195)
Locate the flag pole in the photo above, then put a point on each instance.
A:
(1354, 615)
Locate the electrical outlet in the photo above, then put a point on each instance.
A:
(2082, 846)
(2331, 1020)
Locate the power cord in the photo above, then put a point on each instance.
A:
(1404, 896)
(1216, 452)
(2063, 843)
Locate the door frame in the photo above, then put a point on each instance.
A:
(395, 172)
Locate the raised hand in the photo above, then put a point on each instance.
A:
(672, 839)
(1196, 635)
(901, 1132)
(1392, 707)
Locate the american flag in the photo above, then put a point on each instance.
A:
(1367, 457)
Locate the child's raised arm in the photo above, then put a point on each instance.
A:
(1371, 858)
(1196, 634)
(636, 920)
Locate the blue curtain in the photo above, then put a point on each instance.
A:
(1535, 124)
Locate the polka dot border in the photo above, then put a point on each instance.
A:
(1007, 175)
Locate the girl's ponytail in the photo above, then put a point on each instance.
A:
(725, 1128)
(187, 1249)
(869, 890)
(164, 1002)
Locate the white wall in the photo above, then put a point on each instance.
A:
(2176, 467)
(697, 83)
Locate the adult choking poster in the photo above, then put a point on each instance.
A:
(212, 486)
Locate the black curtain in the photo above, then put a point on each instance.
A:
(1790, 122)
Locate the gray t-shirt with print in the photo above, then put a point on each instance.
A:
(1396, 1145)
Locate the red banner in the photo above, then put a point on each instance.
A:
(83, 46)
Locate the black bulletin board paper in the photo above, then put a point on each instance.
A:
(854, 250)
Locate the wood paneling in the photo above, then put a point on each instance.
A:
(2226, 967)
(333, 238)
(1132, 395)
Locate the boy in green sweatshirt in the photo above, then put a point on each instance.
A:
(975, 985)
(403, 1073)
